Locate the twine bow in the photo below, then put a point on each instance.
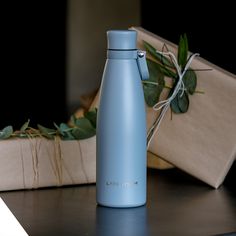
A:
(165, 104)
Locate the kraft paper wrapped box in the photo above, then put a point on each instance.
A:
(39, 162)
(201, 142)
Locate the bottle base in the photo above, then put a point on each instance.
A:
(121, 205)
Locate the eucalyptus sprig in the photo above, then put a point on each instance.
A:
(79, 128)
(160, 66)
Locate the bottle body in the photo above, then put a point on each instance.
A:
(121, 136)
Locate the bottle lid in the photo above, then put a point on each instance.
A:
(121, 39)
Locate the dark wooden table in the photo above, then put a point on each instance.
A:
(177, 205)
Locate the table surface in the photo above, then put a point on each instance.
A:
(177, 204)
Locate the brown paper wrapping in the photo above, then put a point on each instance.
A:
(39, 162)
(201, 142)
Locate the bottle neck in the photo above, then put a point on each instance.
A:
(122, 54)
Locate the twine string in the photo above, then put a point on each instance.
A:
(164, 105)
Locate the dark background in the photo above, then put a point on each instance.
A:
(33, 63)
(210, 28)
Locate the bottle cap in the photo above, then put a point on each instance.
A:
(121, 39)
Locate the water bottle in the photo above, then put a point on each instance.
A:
(121, 124)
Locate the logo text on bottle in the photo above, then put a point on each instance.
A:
(121, 184)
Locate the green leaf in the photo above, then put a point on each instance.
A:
(180, 103)
(92, 116)
(152, 91)
(168, 72)
(174, 105)
(25, 126)
(66, 131)
(158, 56)
(183, 51)
(152, 94)
(83, 129)
(183, 101)
(47, 132)
(6, 132)
(190, 81)
(64, 128)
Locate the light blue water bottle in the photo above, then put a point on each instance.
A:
(121, 124)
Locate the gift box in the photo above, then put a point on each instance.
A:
(30, 163)
(202, 141)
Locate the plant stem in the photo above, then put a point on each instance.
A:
(169, 87)
(154, 83)
(150, 82)
(199, 91)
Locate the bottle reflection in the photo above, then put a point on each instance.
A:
(121, 221)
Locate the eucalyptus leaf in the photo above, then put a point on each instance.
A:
(66, 132)
(183, 51)
(92, 116)
(64, 128)
(83, 129)
(47, 132)
(180, 103)
(158, 56)
(190, 81)
(153, 90)
(183, 101)
(174, 106)
(61, 128)
(6, 132)
(25, 126)
(152, 94)
(168, 72)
